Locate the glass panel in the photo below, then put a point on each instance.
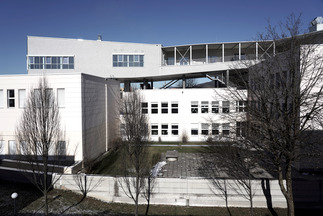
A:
(61, 97)
(22, 97)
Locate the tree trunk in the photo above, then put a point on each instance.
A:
(148, 196)
(288, 191)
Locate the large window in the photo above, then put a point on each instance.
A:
(50, 62)
(164, 107)
(128, 60)
(174, 107)
(11, 97)
(194, 106)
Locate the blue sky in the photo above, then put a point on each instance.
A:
(167, 22)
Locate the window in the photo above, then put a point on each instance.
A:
(194, 106)
(154, 129)
(22, 97)
(174, 107)
(128, 60)
(50, 62)
(241, 106)
(12, 147)
(144, 107)
(1, 147)
(215, 106)
(122, 130)
(204, 106)
(175, 129)
(154, 108)
(1, 98)
(194, 129)
(164, 107)
(205, 129)
(215, 129)
(11, 97)
(164, 128)
(61, 97)
(226, 129)
(49, 97)
(61, 148)
(225, 106)
(241, 129)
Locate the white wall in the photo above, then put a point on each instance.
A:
(173, 191)
(95, 57)
(185, 118)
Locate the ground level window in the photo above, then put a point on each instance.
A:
(175, 129)
(194, 129)
(215, 128)
(154, 129)
(12, 147)
(205, 129)
(164, 128)
(226, 129)
(241, 129)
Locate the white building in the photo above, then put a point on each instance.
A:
(87, 105)
(89, 115)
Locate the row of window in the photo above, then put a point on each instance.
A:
(17, 98)
(13, 149)
(205, 107)
(205, 129)
(128, 60)
(50, 62)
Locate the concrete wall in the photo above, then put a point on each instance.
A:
(97, 94)
(173, 191)
(184, 118)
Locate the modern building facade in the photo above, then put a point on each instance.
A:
(87, 107)
(88, 73)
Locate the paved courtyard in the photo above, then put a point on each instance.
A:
(186, 165)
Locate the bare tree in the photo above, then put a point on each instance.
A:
(136, 166)
(285, 102)
(40, 138)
